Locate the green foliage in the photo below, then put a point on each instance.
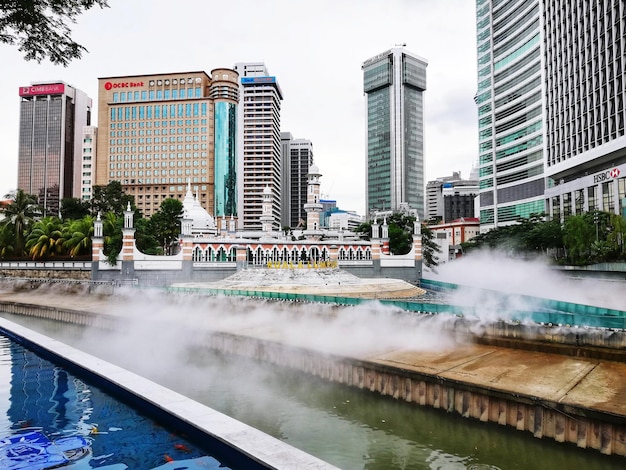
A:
(74, 208)
(77, 236)
(110, 198)
(40, 27)
(20, 215)
(583, 239)
(400, 233)
(165, 224)
(364, 230)
(45, 239)
(430, 249)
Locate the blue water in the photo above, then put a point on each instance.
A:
(38, 398)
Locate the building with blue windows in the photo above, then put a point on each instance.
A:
(157, 132)
(550, 108)
(394, 83)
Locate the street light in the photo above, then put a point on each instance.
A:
(596, 219)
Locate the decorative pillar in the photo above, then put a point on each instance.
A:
(128, 245)
(97, 247)
(186, 240)
(384, 239)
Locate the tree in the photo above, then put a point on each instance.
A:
(165, 224)
(77, 236)
(74, 208)
(21, 214)
(40, 27)
(110, 198)
(430, 249)
(45, 239)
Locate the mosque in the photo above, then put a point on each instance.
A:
(213, 250)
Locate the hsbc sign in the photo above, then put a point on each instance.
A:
(606, 175)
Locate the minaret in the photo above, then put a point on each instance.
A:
(313, 206)
(267, 219)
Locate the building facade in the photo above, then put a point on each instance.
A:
(259, 144)
(510, 111)
(394, 83)
(52, 117)
(550, 108)
(300, 160)
(88, 156)
(585, 44)
(157, 132)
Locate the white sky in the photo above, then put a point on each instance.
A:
(315, 50)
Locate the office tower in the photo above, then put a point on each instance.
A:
(285, 172)
(394, 83)
(585, 43)
(52, 117)
(510, 111)
(259, 144)
(158, 132)
(88, 158)
(299, 158)
(550, 108)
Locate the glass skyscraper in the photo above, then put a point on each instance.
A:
(550, 108)
(510, 111)
(52, 117)
(394, 83)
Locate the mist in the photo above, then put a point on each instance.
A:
(506, 280)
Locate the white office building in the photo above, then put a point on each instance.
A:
(258, 144)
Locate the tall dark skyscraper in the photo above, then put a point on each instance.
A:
(394, 83)
(52, 117)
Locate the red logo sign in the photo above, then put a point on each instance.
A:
(53, 89)
(615, 172)
(110, 85)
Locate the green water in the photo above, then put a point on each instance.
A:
(350, 428)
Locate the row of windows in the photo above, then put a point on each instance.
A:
(150, 173)
(522, 50)
(150, 148)
(152, 95)
(163, 156)
(180, 110)
(140, 165)
(142, 140)
(179, 180)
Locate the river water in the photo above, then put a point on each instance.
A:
(350, 428)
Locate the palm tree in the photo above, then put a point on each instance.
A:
(45, 238)
(20, 214)
(77, 236)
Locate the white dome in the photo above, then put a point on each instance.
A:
(314, 170)
(201, 220)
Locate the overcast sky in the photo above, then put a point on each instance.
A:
(315, 50)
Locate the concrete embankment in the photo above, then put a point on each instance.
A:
(554, 396)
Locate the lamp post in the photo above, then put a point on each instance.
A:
(596, 219)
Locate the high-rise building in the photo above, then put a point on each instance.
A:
(88, 157)
(585, 144)
(510, 111)
(300, 159)
(285, 197)
(259, 144)
(52, 117)
(158, 132)
(550, 108)
(394, 84)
